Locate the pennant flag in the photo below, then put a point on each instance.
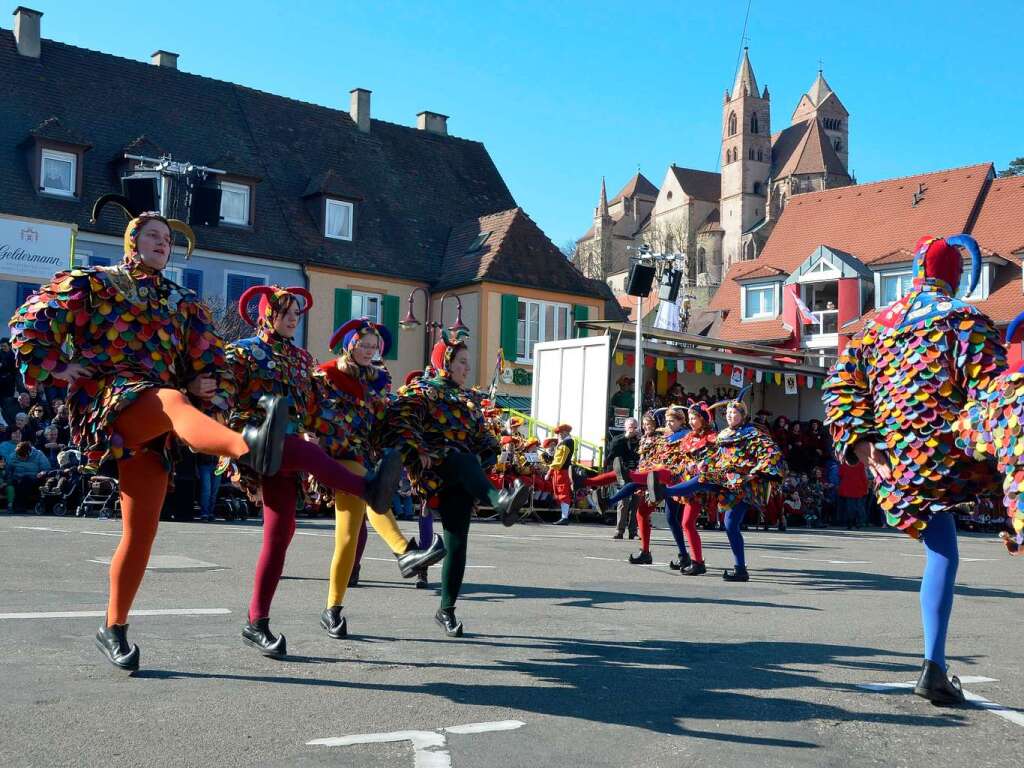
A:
(662, 380)
(791, 384)
(736, 376)
(619, 357)
(648, 361)
(689, 365)
(659, 364)
(749, 374)
(718, 369)
(810, 382)
(630, 360)
(670, 366)
(698, 366)
(803, 311)
(758, 375)
(777, 377)
(726, 369)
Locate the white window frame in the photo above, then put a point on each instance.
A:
(363, 296)
(774, 286)
(175, 275)
(328, 202)
(231, 186)
(63, 157)
(981, 290)
(881, 277)
(542, 334)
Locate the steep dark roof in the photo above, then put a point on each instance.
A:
(516, 251)
(638, 185)
(700, 185)
(414, 185)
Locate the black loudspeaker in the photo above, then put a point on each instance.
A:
(669, 290)
(205, 206)
(640, 279)
(143, 192)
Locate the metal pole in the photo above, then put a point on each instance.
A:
(638, 363)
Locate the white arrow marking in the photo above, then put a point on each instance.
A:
(1012, 715)
(429, 748)
(87, 614)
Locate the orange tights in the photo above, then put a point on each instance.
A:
(143, 481)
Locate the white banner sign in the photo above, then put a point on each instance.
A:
(33, 249)
(736, 379)
(790, 383)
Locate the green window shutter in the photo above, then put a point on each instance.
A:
(509, 325)
(580, 314)
(342, 307)
(390, 318)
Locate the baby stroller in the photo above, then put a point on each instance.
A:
(61, 490)
(232, 503)
(102, 498)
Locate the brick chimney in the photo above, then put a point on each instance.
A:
(164, 59)
(359, 108)
(432, 122)
(26, 31)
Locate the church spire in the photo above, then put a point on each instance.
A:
(745, 83)
(602, 205)
(819, 91)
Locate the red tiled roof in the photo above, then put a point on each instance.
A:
(762, 270)
(1000, 224)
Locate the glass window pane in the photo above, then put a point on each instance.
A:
(234, 203)
(521, 338)
(339, 223)
(751, 304)
(549, 322)
(768, 300)
(57, 174)
(372, 305)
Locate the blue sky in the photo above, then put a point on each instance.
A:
(564, 93)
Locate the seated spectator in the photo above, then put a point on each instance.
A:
(62, 423)
(814, 498)
(48, 441)
(8, 446)
(38, 418)
(25, 471)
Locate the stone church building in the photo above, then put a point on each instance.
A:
(714, 220)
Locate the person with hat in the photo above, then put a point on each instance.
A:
(271, 363)
(145, 354)
(560, 471)
(358, 388)
(437, 424)
(743, 467)
(894, 400)
(624, 398)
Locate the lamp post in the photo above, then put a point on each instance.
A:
(432, 327)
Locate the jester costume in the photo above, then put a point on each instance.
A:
(743, 467)
(438, 426)
(894, 398)
(271, 363)
(143, 341)
(358, 394)
(560, 472)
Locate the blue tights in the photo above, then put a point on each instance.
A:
(733, 515)
(673, 515)
(624, 493)
(937, 584)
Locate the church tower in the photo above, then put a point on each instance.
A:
(821, 103)
(746, 161)
(604, 225)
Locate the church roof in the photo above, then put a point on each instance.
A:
(805, 148)
(712, 223)
(638, 185)
(745, 80)
(819, 90)
(699, 185)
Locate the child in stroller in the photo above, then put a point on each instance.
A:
(60, 493)
(102, 498)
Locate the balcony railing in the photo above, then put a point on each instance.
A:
(826, 321)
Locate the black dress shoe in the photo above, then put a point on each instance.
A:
(113, 641)
(511, 500)
(421, 579)
(333, 621)
(618, 535)
(446, 618)
(257, 634)
(382, 483)
(644, 558)
(655, 490)
(419, 559)
(739, 573)
(695, 568)
(621, 473)
(682, 562)
(561, 521)
(353, 580)
(940, 690)
(266, 440)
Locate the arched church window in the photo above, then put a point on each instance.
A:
(750, 154)
(757, 187)
(753, 123)
(732, 123)
(702, 261)
(760, 155)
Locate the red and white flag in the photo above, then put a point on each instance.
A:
(804, 311)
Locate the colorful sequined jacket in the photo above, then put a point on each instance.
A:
(359, 402)
(693, 452)
(747, 463)
(434, 417)
(648, 450)
(665, 451)
(902, 384)
(132, 328)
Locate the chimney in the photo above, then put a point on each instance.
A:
(359, 108)
(164, 59)
(26, 31)
(432, 122)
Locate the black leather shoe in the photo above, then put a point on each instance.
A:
(353, 580)
(266, 440)
(420, 559)
(695, 568)
(421, 579)
(655, 490)
(257, 634)
(113, 641)
(511, 500)
(382, 483)
(333, 621)
(940, 690)
(739, 573)
(621, 473)
(561, 521)
(618, 535)
(446, 618)
(644, 558)
(681, 563)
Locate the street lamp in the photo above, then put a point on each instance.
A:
(431, 327)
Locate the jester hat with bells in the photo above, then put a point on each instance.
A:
(938, 262)
(349, 334)
(137, 220)
(273, 299)
(444, 351)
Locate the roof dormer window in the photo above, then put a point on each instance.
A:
(58, 172)
(338, 219)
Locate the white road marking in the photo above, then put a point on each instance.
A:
(429, 748)
(391, 560)
(1012, 715)
(962, 559)
(812, 560)
(88, 614)
(61, 530)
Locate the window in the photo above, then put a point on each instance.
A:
(338, 220)
(750, 153)
(728, 156)
(481, 239)
(234, 203)
(366, 305)
(981, 291)
(57, 172)
(732, 123)
(173, 274)
(760, 155)
(759, 301)
(753, 123)
(702, 261)
(894, 286)
(24, 290)
(838, 144)
(757, 187)
(540, 321)
(237, 284)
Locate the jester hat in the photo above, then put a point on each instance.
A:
(272, 300)
(137, 220)
(349, 334)
(938, 258)
(444, 351)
